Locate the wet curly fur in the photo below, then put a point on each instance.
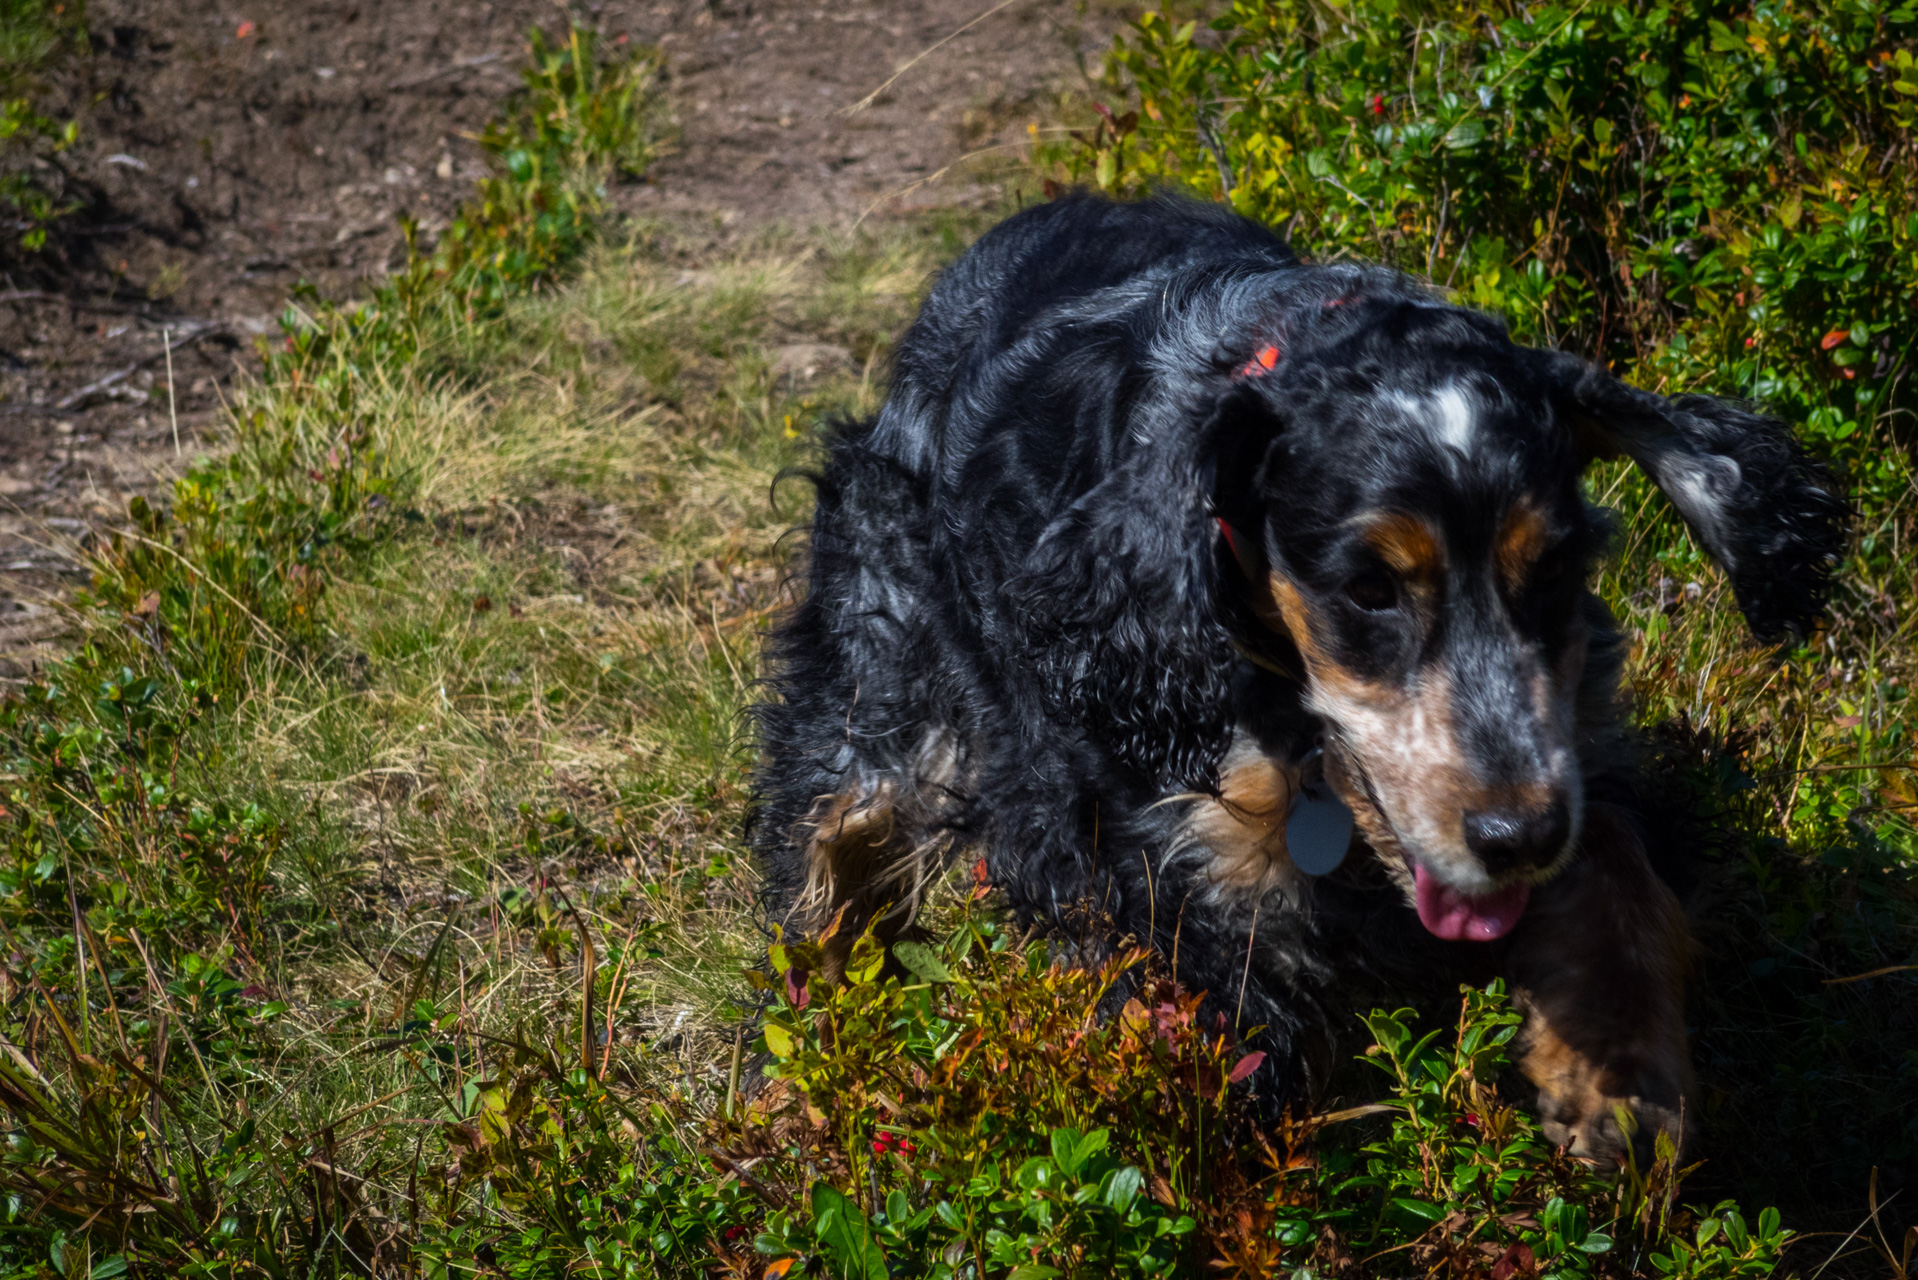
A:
(1153, 509)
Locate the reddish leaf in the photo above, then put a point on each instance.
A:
(1833, 338)
(1517, 1261)
(1247, 1065)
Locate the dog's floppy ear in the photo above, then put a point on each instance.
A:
(1772, 518)
(1117, 603)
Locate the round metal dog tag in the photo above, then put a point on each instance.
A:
(1318, 830)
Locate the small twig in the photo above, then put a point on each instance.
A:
(450, 69)
(772, 1196)
(172, 413)
(913, 186)
(28, 295)
(1210, 141)
(1875, 973)
(1438, 236)
(1831, 768)
(924, 53)
(86, 394)
(732, 1074)
(1245, 976)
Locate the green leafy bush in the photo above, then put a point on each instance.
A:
(577, 122)
(28, 195)
(1703, 195)
(33, 190)
(976, 1109)
(970, 1110)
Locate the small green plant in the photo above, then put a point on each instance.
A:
(29, 140)
(33, 190)
(579, 121)
(1015, 1126)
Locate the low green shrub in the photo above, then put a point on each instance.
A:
(34, 192)
(975, 1108)
(579, 120)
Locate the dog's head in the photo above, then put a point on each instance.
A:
(1409, 481)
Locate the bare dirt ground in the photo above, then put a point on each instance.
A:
(238, 147)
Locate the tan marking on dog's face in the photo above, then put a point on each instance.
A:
(1410, 545)
(1522, 540)
(1599, 966)
(1243, 829)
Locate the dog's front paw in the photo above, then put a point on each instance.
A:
(1608, 1128)
(1609, 1112)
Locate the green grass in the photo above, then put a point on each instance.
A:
(419, 714)
(374, 897)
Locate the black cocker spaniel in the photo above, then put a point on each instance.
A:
(1173, 568)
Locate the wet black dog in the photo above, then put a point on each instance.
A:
(1166, 545)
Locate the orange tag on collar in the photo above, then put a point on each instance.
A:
(1260, 364)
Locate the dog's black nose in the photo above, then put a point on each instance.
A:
(1515, 839)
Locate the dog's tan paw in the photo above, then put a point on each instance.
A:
(1608, 1111)
(1609, 1129)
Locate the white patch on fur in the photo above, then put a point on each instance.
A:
(1456, 418)
(1449, 416)
(1700, 486)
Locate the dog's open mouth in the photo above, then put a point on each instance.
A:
(1452, 915)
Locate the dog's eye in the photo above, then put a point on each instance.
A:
(1373, 591)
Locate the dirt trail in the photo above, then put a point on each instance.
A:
(767, 91)
(241, 146)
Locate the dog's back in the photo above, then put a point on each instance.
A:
(1009, 304)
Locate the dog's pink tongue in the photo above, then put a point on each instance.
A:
(1451, 915)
